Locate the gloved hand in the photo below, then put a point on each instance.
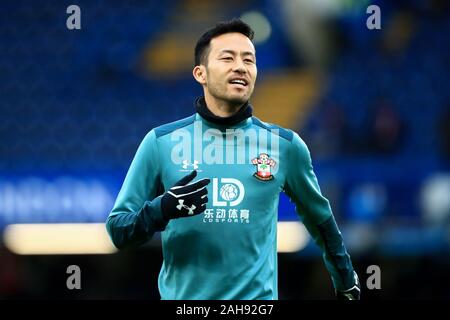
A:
(352, 293)
(185, 199)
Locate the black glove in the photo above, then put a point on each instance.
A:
(353, 293)
(185, 199)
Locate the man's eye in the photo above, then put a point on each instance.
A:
(249, 60)
(227, 58)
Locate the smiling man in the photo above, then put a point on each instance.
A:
(219, 238)
(226, 68)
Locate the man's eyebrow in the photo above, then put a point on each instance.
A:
(245, 53)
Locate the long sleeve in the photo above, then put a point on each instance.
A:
(315, 212)
(136, 214)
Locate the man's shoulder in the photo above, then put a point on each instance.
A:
(280, 131)
(172, 126)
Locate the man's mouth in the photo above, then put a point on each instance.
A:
(241, 82)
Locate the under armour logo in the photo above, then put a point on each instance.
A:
(194, 165)
(182, 205)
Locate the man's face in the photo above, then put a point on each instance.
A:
(231, 68)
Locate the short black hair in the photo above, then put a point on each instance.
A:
(234, 25)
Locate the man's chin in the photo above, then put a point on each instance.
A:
(237, 100)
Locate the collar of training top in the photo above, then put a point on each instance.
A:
(244, 113)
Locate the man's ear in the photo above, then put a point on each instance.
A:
(199, 74)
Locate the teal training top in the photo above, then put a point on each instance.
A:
(230, 250)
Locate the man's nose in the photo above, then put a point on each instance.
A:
(239, 66)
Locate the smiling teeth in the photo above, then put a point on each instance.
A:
(238, 81)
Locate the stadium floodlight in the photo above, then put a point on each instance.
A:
(58, 238)
(292, 236)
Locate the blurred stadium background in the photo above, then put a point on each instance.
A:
(373, 106)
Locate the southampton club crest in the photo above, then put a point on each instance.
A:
(263, 165)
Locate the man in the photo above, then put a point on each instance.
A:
(219, 238)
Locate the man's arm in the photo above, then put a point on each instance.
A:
(314, 209)
(136, 214)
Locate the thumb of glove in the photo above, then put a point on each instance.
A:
(186, 179)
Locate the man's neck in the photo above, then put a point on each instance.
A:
(221, 108)
(243, 113)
